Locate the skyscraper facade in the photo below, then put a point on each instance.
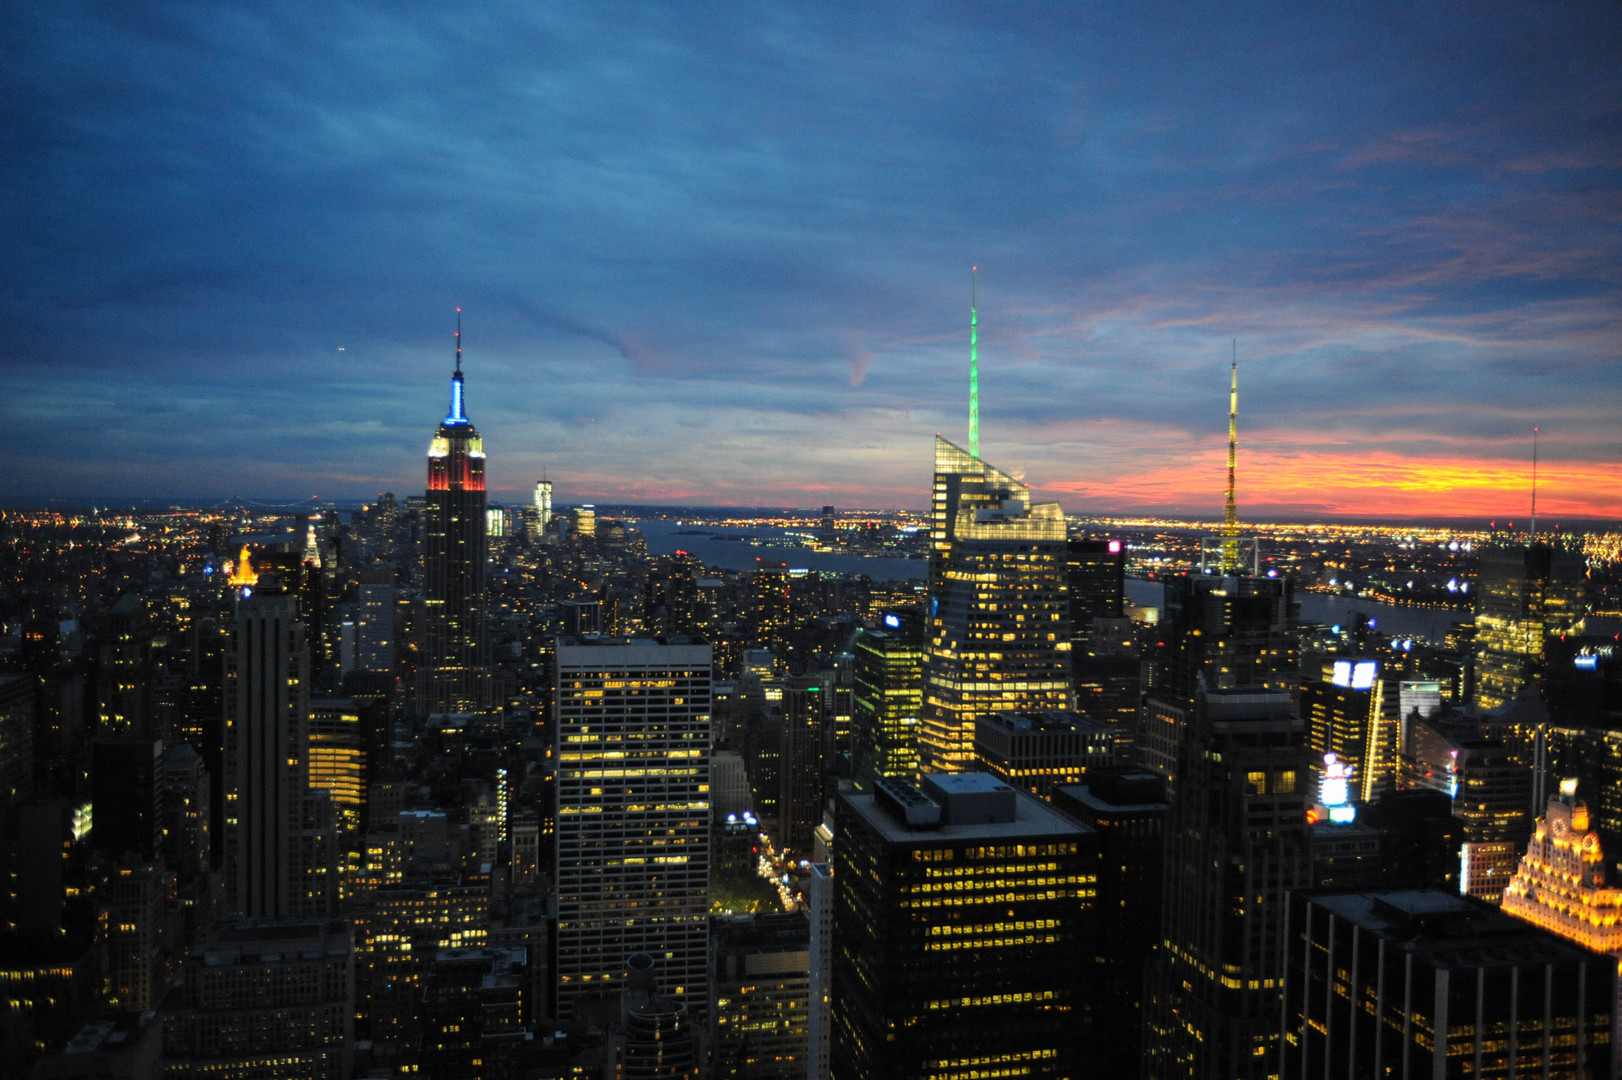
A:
(267, 712)
(1425, 983)
(998, 631)
(1523, 595)
(1236, 846)
(887, 702)
(1347, 715)
(632, 723)
(961, 910)
(455, 676)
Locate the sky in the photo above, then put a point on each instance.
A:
(721, 254)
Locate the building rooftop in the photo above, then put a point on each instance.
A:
(1445, 930)
(1028, 817)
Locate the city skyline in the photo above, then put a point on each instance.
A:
(724, 262)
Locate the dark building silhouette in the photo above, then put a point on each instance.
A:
(454, 674)
(1236, 845)
(126, 777)
(1430, 983)
(1128, 810)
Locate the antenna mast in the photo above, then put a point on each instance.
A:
(1230, 519)
(974, 363)
(1534, 536)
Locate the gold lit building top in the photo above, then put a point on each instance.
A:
(1560, 884)
(243, 573)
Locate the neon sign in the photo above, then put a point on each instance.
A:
(1335, 789)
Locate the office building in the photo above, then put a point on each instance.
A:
(961, 908)
(401, 925)
(1127, 808)
(475, 1014)
(803, 764)
(819, 900)
(1524, 595)
(262, 999)
(187, 822)
(1347, 715)
(1039, 751)
(887, 700)
(127, 792)
(543, 508)
(1560, 882)
(375, 603)
(1095, 572)
(1236, 845)
(454, 676)
(632, 738)
(1223, 633)
(1491, 793)
(760, 983)
(132, 898)
(997, 628)
(1429, 983)
(279, 861)
(16, 737)
(655, 1039)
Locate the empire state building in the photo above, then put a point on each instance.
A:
(455, 676)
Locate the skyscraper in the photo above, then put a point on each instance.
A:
(267, 713)
(1236, 845)
(633, 815)
(1423, 983)
(1560, 884)
(887, 701)
(455, 676)
(1523, 595)
(961, 910)
(998, 631)
(1225, 633)
(543, 505)
(1347, 715)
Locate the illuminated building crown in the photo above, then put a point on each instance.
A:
(1560, 884)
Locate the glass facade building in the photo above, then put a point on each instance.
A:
(997, 625)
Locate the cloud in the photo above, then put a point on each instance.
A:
(703, 251)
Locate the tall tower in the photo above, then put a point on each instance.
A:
(974, 364)
(1236, 846)
(998, 627)
(543, 504)
(1230, 517)
(455, 677)
(276, 862)
(633, 815)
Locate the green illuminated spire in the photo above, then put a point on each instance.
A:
(974, 364)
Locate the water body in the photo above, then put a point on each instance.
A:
(1428, 623)
(728, 547)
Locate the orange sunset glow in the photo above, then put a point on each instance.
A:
(1378, 484)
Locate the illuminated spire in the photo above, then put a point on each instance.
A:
(974, 363)
(1230, 519)
(457, 415)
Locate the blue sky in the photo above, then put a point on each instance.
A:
(720, 253)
